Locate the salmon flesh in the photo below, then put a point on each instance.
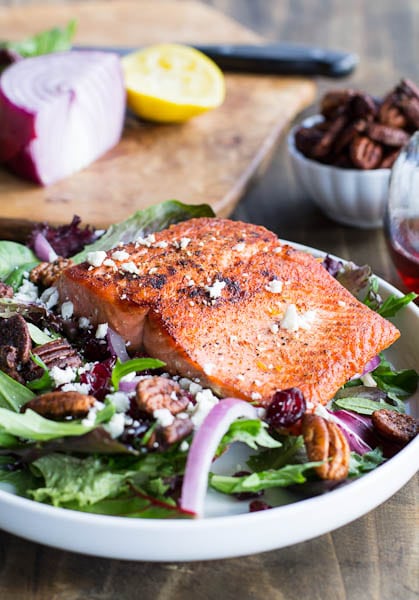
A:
(226, 302)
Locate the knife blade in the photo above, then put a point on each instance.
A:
(269, 59)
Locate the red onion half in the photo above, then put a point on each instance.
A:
(59, 112)
(204, 445)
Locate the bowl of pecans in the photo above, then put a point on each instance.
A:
(342, 157)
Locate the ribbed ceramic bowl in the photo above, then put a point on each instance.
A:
(349, 196)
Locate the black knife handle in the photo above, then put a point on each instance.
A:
(282, 59)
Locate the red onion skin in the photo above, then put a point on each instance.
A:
(20, 130)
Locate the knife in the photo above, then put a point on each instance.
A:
(269, 59)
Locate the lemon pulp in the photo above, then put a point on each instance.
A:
(172, 83)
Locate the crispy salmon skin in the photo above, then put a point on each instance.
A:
(226, 302)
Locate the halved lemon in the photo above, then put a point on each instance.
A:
(171, 83)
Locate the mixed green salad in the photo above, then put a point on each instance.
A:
(117, 458)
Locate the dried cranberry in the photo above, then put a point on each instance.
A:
(246, 495)
(257, 505)
(99, 378)
(286, 408)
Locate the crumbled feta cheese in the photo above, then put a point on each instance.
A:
(108, 262)
(62, 376)
(215, 289)
(233, 339)
(96, 258)
(101, 331)
(184, 242)
(153, 270)
(341, 303)
(274, 328)
(293, 320)
(240, 377)
(147, 241)
(67, 309)
(83, 388)
(205, 401)
(120, 401)
(274, 286)
(255, 396)
(50, 297)
(184, 446)
(84, 323)
(130, 267)
(163, 417)
(28, 292)
(239, 247)
(261, 412)
(209, 368)
(115, 427)
(194, 388)
(257, 382)
(120, 255)
(161, 244)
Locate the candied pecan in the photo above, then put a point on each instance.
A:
(14, 331)
(6, 291)
(57, 353)
(47, 273)
(364, 153)
(335, 103)
(9, 363)
(344, 140)
(324, 441)
(177, 431)
(410, 107)
(363, 106)
(389, 113)
(390, 136)
(408, 88)
(159, 392)
(395, 426)
(59, 405)
(325, 144)
(306, 138)
(389, 158)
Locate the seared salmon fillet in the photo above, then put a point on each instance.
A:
(226, 302)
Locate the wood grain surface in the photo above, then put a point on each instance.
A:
(209, 159)
(373, 558)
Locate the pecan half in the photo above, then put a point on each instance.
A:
(57, 353)
(47, 273)
(59, 405)
(336, 102)
(177, 431)
(363, 106)
(390, 136)
(389, 158)
(324, 441)
(159, 392)
(410, 107)
(9, 363)
(395, 426)
(390, 114)
(323, 147)
(6, 291)
(14, 331)
(365, 153)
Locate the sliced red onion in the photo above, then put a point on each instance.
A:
(370, 366)
(129, 386)
(59, 112)
(117, 346)
(43, 249)
(204, 445)
(358, 430)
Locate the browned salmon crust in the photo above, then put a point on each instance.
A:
(226, 302)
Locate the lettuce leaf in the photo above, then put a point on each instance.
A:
(367, 462)
(143, 222)
(275, 458)
(132, 366)
(52, 40)
(251, 432)
(13, 256)
(31, 426)
(13, 395)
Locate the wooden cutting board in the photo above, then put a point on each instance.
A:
(211, 159)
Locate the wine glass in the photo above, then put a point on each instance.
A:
(402, 215)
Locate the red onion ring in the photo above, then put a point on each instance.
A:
(116, 345)
(59, 112)
(203, 448)
(43, 249)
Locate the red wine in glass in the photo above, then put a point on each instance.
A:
(402, 215)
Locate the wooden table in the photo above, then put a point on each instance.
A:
(374, 558)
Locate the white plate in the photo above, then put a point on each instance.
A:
(223, 533)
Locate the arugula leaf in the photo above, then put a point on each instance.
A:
(283, 477)
(132, 366)
(275, 458)
(13, 255)
(82, 481)
(252, 432)
(359, 464)
(401, 383)
(363, 406)
(15, 277)
(393, 304)
(13, 394)
(31, 426)
(52, 40)
(143, 222)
